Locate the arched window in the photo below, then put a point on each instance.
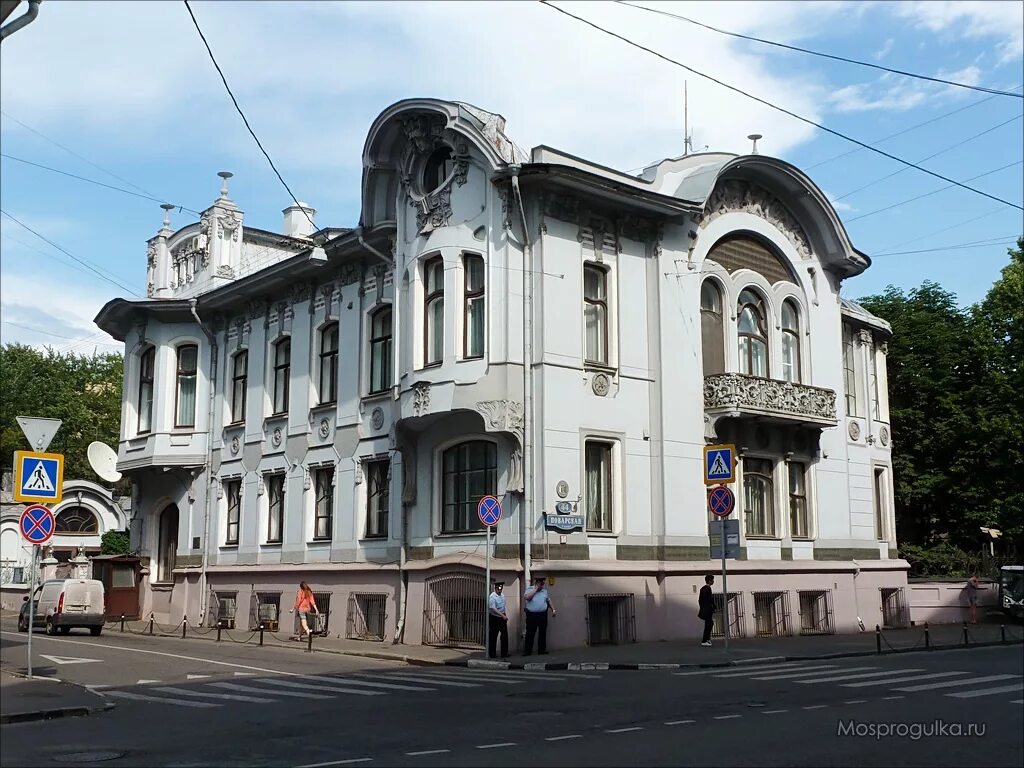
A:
(753, 334)
(239, 385)
(758, 497)
(380, 350)
(185, 391)
(329, 364)
(167, 549)
(433, 311)
(469, 471)
(76, 520)
(712, 328)
(147, 361)
(282, 374)
(790, 342)
(437, 168)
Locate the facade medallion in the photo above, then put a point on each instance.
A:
(377, 418)
(276, 437)
(854, 430)
(325, 428)
(562, 489)
(601, 384)
(234, 444)
(883, 435)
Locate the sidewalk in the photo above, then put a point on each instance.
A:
(44, 698)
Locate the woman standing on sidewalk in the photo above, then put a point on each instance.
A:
(305, 606)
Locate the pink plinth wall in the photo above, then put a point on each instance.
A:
(945, 602)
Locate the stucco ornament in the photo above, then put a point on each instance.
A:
(737, 195)
(601, 384)
(421, 398)
(275, 438)
(739, 392)
(854, 430)
(234, 445)
(883, 435)
(377, 418)
(325, 428)
(426, 133)
(507, 416)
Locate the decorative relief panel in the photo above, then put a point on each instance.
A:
(507, 416)
(738, 195)
(597, 226)
(350, 273)
(425, 134)
(737, 392)
(421, 398)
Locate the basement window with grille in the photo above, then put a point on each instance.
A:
(611, 619)
(367, 612)
(894, 608)
(267, 611)
(735, 616)
(771, 614)
(816, 612)
(226, 606)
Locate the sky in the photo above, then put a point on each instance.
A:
(129, 89)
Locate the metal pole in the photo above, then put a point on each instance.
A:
(725, 590)
(487, 598)
(31, 604)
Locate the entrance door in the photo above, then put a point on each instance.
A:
(121, 586)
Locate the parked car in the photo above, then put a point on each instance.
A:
(63, 604)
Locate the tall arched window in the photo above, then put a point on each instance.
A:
(329, 364)
(753, 334)
(185, 391)
(282, 374)
(147, 361)
(76, 520)
(712, 328)
(469, 471)
(790, 342)
(758, 497)
(167, 549)
(380, 350)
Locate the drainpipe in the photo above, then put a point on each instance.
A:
(22, 21)
(209, 459)
(526, 524)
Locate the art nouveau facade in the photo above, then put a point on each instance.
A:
(329, 405)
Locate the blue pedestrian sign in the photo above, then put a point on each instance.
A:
(38, 477)
(37, 524)
(489, 511)
(719, 464)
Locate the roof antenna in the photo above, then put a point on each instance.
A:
(754, 137)
(687, 139)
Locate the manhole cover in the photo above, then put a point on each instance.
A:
(87, 757)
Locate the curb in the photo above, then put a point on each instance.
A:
(53, 714)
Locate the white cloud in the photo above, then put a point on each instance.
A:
(839, 205)
(898, 93)
(882, 52)
(1003, 21)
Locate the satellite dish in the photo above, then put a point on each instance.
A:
(103, 461)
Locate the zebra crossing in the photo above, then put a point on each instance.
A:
(956, 684)
(280, 689)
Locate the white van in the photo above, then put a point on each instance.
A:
(63, 604)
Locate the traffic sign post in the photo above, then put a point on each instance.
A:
(719, 464)
(37, 526)
(488, 509)
(721, 502)
(38, 477)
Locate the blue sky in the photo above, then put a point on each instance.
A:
(129, 87)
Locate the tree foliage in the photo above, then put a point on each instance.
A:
(956, 385)
(83, 391)
(115, 543)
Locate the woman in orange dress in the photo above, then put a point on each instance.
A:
(305, 606)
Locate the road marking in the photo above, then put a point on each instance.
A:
(751, 673)
(751, 670)
(810, 672)
(816, 706)
(623, 730)
(955, 683)
(1018, 701)
(147, 682)
(855, 701)
(428, 752)
(320, 687)
(844, 676)
(774, 711)
(910, 679)
(891, 698)
(563, 738)
(97, 686)
(160, 700)
(368, 683)
(1015, 688)
(245, 674)
(196, 677)
(251, 689)
(430, 680)
(209, 695)
(67, 659)
(472, 676)
(338, 762)
(496, 746)
(727, 717)
(680, 722)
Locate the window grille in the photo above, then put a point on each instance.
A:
(265, 608)
(223, 608)
(367, 613)
(455, 610)
(735, 616)
(816, 612)
(611, 619)
(894, 608)
(771, 614)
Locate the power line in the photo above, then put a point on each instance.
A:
(242, 115)
(59, 259)
(979, 244)
(781, 109)
(994, 91)
(97, 183)
(86, 264)
(929, 194)
(935, 154)
(36, 330)
(72, 152)
(971, 220)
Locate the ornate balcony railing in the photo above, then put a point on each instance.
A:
(735, 392)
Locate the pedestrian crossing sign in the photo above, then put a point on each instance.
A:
(719, 464)
(38, 477)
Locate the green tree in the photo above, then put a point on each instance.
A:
(115, 543)
(83, 391)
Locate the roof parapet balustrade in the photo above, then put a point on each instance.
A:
(736, 394)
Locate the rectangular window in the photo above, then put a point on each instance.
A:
(239, 386)
(470, 471)
(595, 313)
(433, 312)
(275, 500)
(329, 364)
(598, 460)
(850, 370)
(185, 402)
(758, 497)
(282, 374)
(322, 523)
(146, 364)
(799, 520)
(880, 497)
(875, 404)
(377, 498)
(474, 319)
(233, 494)
(380, 350)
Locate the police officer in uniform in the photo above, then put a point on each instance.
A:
(497, 621)
(538, 601)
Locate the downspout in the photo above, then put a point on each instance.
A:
(22, 21)
(209, 459)
(526, 523)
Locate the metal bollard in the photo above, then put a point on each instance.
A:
(965, 633)
(151, 621)
(1002, 633)
(878, 639)
(219, 625)
(261, 634)
(309, 643)
(927, 637)
(122, 622)
(184, 626)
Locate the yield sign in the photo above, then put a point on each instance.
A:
(39, 432)
(68, 659)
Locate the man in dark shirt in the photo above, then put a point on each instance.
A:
(706, 605)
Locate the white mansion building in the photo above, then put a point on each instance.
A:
(329, 405)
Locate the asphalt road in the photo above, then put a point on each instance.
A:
(209, 704)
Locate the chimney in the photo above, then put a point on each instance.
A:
(299, 220)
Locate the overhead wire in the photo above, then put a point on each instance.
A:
(886, 250)
(778, 108)
(56, 257)
(1010, 239)
(942, 81)
(36, 330)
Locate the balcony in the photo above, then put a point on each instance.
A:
(735, 394)
(162, 449)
